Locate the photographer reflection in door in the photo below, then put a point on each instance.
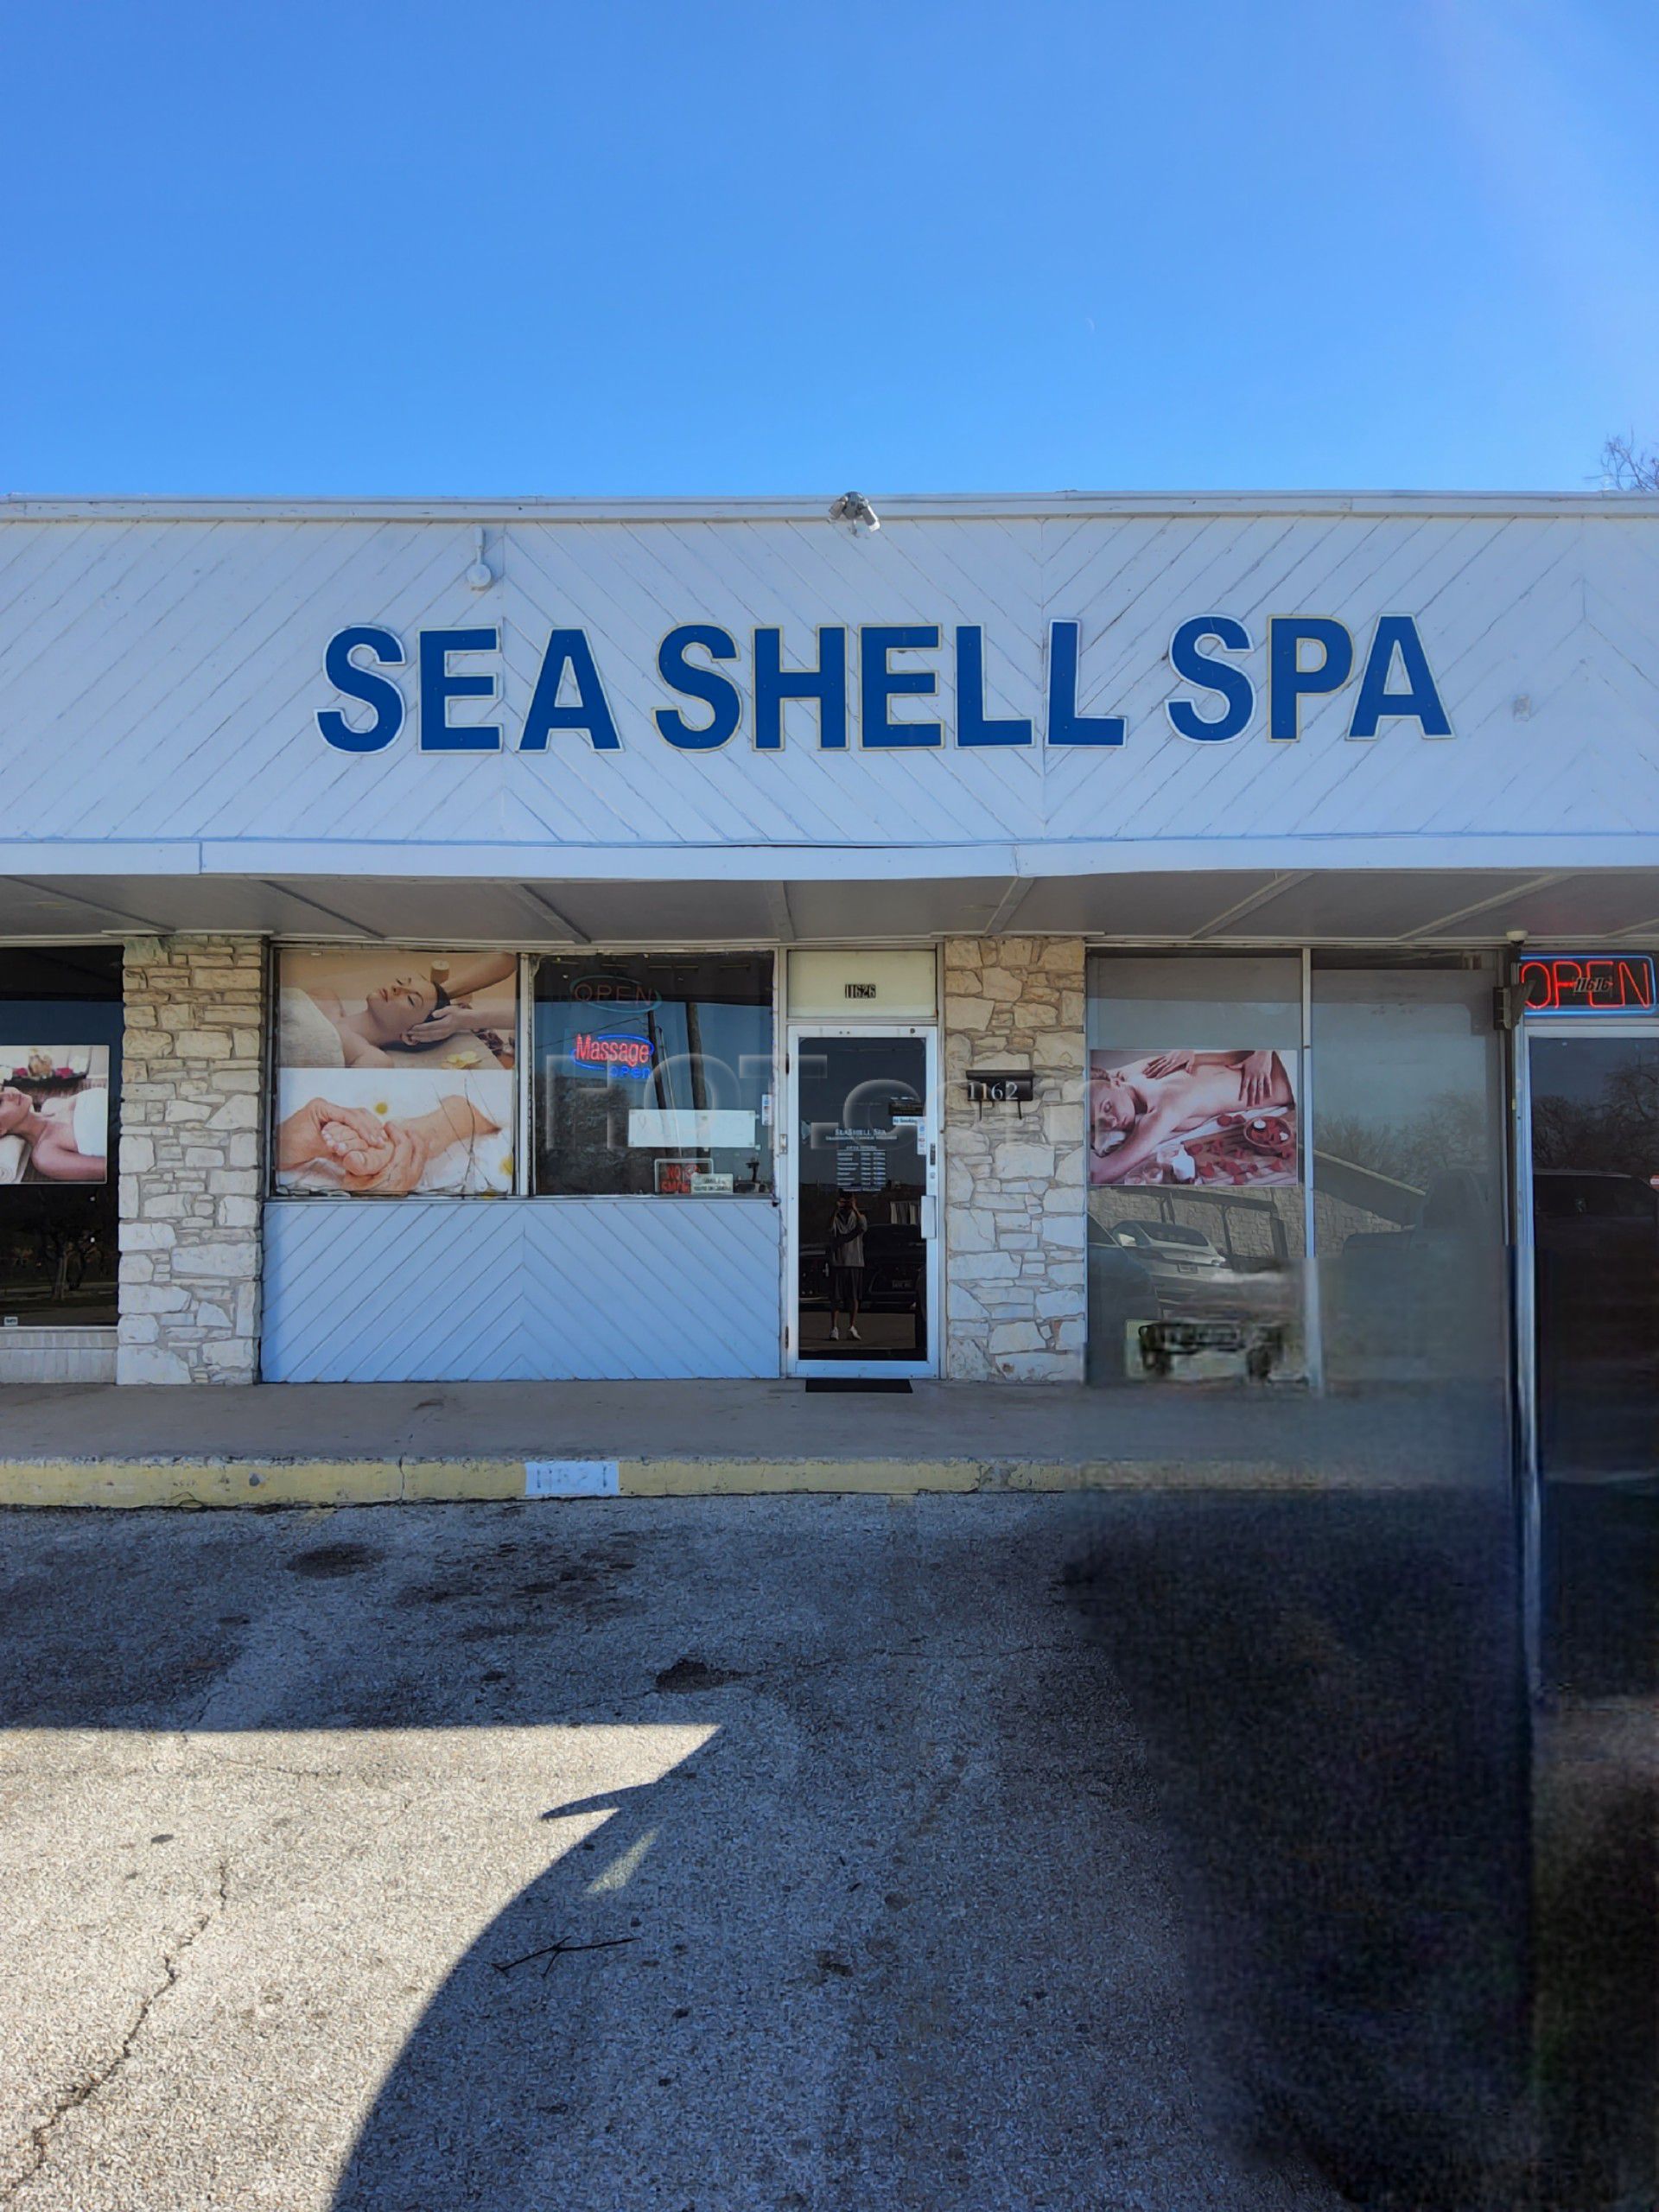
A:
(844, 1248)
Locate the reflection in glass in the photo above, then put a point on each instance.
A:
(1408, 1169)
(1595, 1151)
(1594, 1103)
(861, 1165)
(654, 1075)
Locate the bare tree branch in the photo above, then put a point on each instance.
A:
(1626, 466)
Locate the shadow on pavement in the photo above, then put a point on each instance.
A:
(899, 1936)
(1332, 1692)
(899, 1930)
(1168, 1851)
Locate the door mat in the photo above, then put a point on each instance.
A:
(898, 1383)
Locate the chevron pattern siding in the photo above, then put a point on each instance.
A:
(477, 1291)
(162, 679)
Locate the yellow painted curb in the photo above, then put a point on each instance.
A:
(200, 1482)
(216, 1483)
(751, 1477)
(917, 1477)
(429, 1481)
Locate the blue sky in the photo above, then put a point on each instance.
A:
(327, 247)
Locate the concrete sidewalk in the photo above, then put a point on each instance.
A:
(368, 1444)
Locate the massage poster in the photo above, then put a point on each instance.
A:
(1199, 1120)
(54, 1114)
(396, 1072)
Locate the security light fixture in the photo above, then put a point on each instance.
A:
(480, 575)
(855, 511)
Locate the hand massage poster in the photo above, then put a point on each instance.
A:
(54, 1114)
(1194, 1120)
(396, 1072)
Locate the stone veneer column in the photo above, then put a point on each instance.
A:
(1015, 1199)
(192, 1159)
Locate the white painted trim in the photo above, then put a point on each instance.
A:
(1312, 1313)
(524, 1072)
(1523, 1309)
(963, 506)
(48, 860)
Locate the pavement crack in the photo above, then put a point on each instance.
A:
(91, 2085)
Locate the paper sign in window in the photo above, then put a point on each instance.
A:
(689, 1128)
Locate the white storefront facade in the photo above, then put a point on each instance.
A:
(1052, 939)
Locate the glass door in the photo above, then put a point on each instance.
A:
(1593, 1117)
(1595, 1210)
(863, 1202)
(1591, 1161)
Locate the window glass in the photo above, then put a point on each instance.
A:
(1139, 1000)
(1408, 1171)
(395, 1072)
(861, 1160)
(1196, 1151)
(60, 1028)
(654, 1075)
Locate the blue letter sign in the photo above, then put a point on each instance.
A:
(1308, 656)
(377, 691)
(1397, 633)
(589, 710)
(439, 685)
(718, 692)
(1193, 666)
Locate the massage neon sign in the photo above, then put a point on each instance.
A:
(629, 1056)
(1587, 983)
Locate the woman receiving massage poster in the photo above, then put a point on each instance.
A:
(54, 1114)
(395, 1073)
(1214, 1120)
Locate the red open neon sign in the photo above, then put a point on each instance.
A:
(1587, 983)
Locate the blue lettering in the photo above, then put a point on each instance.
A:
(1065, 725)
(1397, 633)
(718, 693)
(1309, 658)
(1194, 666)
(1288, 682)
(878, 684)
(590, 711)
(827, 683)
(439, 686)
(973, 726)
(377, 691)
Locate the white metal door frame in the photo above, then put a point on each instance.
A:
(788, 1152)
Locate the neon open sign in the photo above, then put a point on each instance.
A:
(627, 1055)
(1587, 983)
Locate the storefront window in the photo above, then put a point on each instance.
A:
(395, 1072)
(654, 1075)
(1408, 1168)
(1197, 1156)
(61, 1027)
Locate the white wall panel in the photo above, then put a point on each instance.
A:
(435, 1290)
(162, 679)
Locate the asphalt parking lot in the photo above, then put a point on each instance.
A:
(777, 1852)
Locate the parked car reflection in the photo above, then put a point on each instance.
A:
(1191, 1283)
